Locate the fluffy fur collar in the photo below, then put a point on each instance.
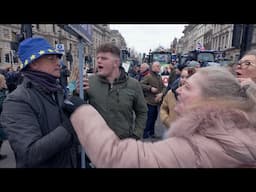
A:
(230, 128)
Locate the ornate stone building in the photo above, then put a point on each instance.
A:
(117, 39)
(55, 34)
(213, 37)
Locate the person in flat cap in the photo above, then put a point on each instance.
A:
(39, 131)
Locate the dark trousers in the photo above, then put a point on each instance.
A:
(149, 131)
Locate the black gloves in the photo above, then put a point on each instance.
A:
(71, 104)
(69, 127)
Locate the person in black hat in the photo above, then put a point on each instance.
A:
(39, 130)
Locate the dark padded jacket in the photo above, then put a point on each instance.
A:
(32, 118)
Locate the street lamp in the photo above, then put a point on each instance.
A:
(149, 56)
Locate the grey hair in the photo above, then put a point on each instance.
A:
(221, 84)
(251, 52)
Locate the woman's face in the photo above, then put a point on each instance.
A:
(246, 67)
(183, 76)
(189, 93)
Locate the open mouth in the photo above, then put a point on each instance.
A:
(238, 73)
(100, 67)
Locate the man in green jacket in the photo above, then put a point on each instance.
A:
(116, 96)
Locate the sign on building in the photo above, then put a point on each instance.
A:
(60, 48)
(84, 30)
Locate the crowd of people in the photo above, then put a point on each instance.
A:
(208, 112)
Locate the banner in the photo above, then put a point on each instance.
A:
(84, 30)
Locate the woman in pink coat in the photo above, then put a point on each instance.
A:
(216, 128)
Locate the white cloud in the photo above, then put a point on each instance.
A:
(143, 37)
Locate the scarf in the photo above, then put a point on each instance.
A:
(45, 80)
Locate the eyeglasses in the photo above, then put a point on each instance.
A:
(52, 58)
(245, 64)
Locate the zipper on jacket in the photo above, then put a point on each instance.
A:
(111, 86)
(117, 94)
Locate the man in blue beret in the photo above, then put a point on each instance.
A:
(39, 131)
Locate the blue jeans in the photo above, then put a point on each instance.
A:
(149, 131)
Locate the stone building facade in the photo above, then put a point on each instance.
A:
(55, 35)
(217, 37)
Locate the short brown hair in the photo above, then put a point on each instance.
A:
(109, 47)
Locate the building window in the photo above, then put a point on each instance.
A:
(227, 41)
(14, 35)
(6, 33)
(53, 28)
(38, 27)
(223, 42)
(114, 41)
(7, 58)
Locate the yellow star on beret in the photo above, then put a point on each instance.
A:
(41, 52)
(32, 57)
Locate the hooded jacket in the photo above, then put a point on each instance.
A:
(118, 102)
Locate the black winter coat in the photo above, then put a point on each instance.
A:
(32, 118)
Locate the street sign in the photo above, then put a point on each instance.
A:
(60, 48)
(126, 66)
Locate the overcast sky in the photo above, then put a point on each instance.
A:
(143, 37)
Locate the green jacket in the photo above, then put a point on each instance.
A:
(118, 102)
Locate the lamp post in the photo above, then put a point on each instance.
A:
(149, 56)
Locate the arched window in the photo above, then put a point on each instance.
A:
(114, 41)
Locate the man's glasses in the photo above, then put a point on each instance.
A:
(52, 58)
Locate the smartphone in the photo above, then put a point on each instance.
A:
(88, 74)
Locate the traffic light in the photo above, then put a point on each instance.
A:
(85, 59)
(25, 32)
(144, 55)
